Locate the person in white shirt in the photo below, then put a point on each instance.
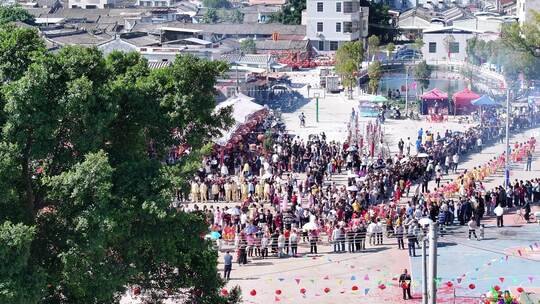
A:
(479, 144)
(336, 235)
(472, 228)
(379, 231)
(455, 160)
(293, 241)
(281, 245)
(408, 146)
(371, 232)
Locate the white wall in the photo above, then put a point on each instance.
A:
(329, 17)
(524, 8)
(441, 52)
(91, 3)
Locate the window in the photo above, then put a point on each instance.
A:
(319, 27)
(319, 6)
(433, 47)
(348, 7)
(347, 27)
(454, 47)
(333, 45)
(338, 27)
(338, 7)
(321, 45)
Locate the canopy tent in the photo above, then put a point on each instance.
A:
(462, 101)
(484, 100)
(378, 98)
(434, 102)
(368, 109)
(243, 109)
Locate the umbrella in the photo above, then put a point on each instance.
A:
(310, 226)
(214, 235)
(378, 98)
(352, 149)
(404, 160)
(233, 211)
(422, 155)
(484, 100)
(425, 221)
(352, 188)
(251, 229)
(267, 175)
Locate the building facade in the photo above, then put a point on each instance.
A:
(90, 4)
(448, 43)
(330, 23)
(524, 9)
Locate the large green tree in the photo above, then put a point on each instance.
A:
(422, 74)
(291, 12)
(374, 74)
(349, 58)
(11, 13)
(85, 192)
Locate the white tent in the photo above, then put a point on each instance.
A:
(242, 108)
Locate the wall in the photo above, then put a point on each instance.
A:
(441, 50)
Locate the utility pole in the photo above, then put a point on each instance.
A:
(507, 154)
(406, 90)
(316, 106)
(432, 263)
(424, 273)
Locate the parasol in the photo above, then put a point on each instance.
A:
(422, 155)
(233, 211)
(310, 226)
(215, 235)
(352, 188)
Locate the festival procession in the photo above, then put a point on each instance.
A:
(302, 211)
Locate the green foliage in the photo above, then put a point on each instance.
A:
(19, 47)
(349, 58)
(374, 74)
(11, 13)
(512, 54)
(524, 38)
(422, 74)
(418, 43)
(211, 16)
(291, 12)
(373, 44)
(390, 47)
(20, 281)
(379, 21)
(247, 46)
(83, 182)
(216, 4)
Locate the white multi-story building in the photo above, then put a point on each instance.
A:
(524, 9)
(330, 23)
(91, 3)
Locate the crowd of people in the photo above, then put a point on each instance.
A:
(287, 194)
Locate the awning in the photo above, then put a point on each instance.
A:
(484, 101)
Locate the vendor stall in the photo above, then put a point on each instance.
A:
(462, 102)
(434, 102)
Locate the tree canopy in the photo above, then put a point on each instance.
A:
(11, 13)
(291, 12)
(349, 58)
(422, 74)
(248, 46)
(374, 74)
(216, 3)
(85, 191)
(517, 51)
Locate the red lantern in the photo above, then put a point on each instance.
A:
(253, 292)
(472, 286)
(278, 292)
(224, 292)
(136, 290)
(449, 284)
(354, 288)
(326, 290)
(520, 289)
(496, 287)
(302, 290)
